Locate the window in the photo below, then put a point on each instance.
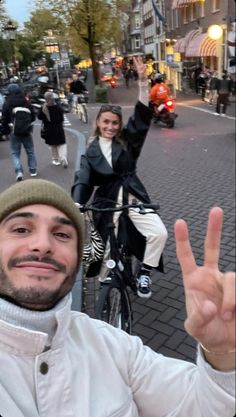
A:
(137, 22)
(193, 12)
(176, 18)
(215, 5)
(186, 14)
(137, 42)
(202, 9)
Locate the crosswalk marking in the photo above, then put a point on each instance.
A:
(66, 121)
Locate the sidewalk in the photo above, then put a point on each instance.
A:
(197, 101)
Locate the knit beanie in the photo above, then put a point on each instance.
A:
(37, 191)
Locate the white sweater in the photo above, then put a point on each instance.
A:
(91, 369)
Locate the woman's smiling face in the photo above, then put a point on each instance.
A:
(109, 124)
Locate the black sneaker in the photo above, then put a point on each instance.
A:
(143, 283)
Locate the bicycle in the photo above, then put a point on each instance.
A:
(113, 304)
(81, 107)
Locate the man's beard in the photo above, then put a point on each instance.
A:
(34, 297)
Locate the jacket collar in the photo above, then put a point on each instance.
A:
(96, 156)
(21, 341)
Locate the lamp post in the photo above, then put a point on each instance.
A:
(215, 32)
(10, 34)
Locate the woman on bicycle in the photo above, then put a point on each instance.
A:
(110, 164)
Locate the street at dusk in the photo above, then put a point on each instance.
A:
(117, 208)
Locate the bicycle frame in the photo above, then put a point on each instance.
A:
(113, 304)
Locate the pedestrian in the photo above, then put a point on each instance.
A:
(76, 87)
(195, 75)
(52, 130)
(127, 76)
(17, 119)
(110, 164)
(224, 88)
(213, 88)
(58, 363)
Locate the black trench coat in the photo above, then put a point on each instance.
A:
(95, 171)
(53, 129)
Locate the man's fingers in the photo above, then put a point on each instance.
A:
(228, 303)
(183, 248)
(213, 236)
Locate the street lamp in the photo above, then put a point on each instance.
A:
(215, 32)
(10, 34)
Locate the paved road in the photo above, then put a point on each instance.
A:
(187, 169)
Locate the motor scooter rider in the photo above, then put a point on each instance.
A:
(160, 92)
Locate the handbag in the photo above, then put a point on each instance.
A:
(43, 131)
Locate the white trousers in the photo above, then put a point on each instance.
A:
(152, 228)
(59, 152)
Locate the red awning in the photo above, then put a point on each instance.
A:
(182, 43)
(184, 3)
(201, 46)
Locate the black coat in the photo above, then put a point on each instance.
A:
(53, 129)
(16, 99)
(95, 170)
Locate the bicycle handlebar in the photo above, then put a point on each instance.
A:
(140, 206)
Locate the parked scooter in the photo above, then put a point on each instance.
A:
(165, 113)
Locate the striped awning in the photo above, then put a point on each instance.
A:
(179, 45)
(184, 3)
(182, 43)
(201, 46)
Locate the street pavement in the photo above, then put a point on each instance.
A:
(187, 170)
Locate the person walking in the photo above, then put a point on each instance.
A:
(52, 131)
(56, 362)
(17, 119)
(110, 163)
(224, 88)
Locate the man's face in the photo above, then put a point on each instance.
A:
(38, 256)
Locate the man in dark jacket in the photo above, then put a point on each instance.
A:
(16, 103)
(76, 87)
(224, 88)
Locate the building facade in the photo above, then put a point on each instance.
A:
(177, 36)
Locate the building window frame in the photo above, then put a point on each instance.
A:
(215, 6)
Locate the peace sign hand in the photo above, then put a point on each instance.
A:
(140, 67)
(210, 294)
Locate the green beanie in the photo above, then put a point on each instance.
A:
(37, 191)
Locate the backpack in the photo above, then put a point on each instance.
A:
(22, 121)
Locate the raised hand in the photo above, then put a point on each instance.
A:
(140, 67)
(210, 294)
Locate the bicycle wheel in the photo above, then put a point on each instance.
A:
(84, 114)
(113, 307)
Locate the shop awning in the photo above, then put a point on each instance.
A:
(179, 45)
(182, 43)
(184, 3)
(201, 46)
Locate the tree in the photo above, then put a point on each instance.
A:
(90, 23)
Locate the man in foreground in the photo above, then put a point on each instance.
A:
(58, 363)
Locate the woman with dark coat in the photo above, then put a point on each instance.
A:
(110, 164)
(52, 132)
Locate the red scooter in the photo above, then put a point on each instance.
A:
(165, 113)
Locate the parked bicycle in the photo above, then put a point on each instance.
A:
(113, 304)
